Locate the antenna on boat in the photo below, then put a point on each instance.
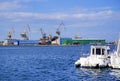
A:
(82, 51)
(118, 47)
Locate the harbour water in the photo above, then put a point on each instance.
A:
(49, 63)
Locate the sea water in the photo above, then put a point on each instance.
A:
(49, 63)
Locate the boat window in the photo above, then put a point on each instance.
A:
(98, 51)
(103, 51)
(108, 51)
(93, 51)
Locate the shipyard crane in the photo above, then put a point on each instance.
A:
(58, 31)
(10, 33)
(43, 33)
(24, 34)
(44, 39)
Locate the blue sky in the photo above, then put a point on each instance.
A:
(85, 18)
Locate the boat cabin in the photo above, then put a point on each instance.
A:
(100, 50)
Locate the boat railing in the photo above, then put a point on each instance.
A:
(84, 54)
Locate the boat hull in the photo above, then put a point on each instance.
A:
(93, 62)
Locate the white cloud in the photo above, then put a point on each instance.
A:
(101, 15)
(29, 16)
(31, 0)
(90, 16)
(15, 4)
(21, 0)
(75, 13)
(9, 6)
(73, 19)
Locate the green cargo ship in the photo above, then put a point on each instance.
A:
(70, 41)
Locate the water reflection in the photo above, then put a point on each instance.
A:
(115, 73)
(107, 74)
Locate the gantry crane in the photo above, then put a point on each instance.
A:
(58, 31)
(24, 34)
(10, 33)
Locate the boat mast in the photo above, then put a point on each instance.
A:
(118, 47)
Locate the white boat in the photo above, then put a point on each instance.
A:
(99, 58)
(115, 57)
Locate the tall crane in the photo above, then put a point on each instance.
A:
(43, 33)
(10, 33)
(45, 40)
(58, 31)
(24, 34)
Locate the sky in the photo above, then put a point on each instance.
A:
(83, 18)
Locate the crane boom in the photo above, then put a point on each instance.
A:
(43, 33)
(10, 33)
(58, 31)
(24, 34)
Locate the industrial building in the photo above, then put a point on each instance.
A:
(60, 41)
(20, 42)
(48, 39)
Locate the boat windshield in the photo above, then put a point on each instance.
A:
(98, 51)
(93, 52)
(103, 51)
